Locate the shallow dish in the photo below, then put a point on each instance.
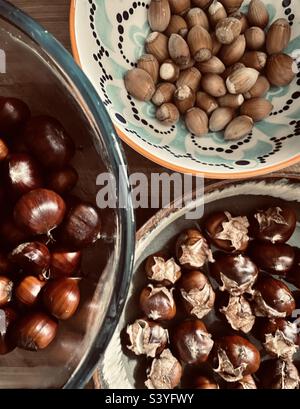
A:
(107, 39)
(116, 369)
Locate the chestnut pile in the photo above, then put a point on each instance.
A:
(43, 228)
(228, 315)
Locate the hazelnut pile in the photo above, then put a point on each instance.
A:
(43, 228)
(226, 315)
(212, 64)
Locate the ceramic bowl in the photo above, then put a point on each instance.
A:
(118, 369)
(108, 37)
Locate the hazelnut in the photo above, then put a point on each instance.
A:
(278, 36)
(232, 53)
(258, 14)
(255, 38)
(242, 18)
(241, 80)
(157, 45)
(257, 108)
(139, 84)
(227, 232)
(190, 77)
(147, 338)
(235, 273)
(162, 269)
(159, 15)
(158, 303)
(169, 71)
(179, 50)
(278, 374)
(216, 45)
(205, 382)
(177, 25)
(216, 12)
(197, 293)
(280, 69)
(214, 85)
(163, 94)
(149, 64)
(255, 59)
(238, 313)
(203, 4)
(192, 250)
(165, 372)
(196, 121)
(197, 17)
(231, 101)
(168, 114)
(206, 102)
(184, 99)
(191, 341)
(232, 5)
(228, 30)
(259, 89)
(234, 357)
(213, 66)
(238, 128)
(274, 224)
(276, 259)
(180, 6)
(220, 118)
(200, 43)
(272, 298)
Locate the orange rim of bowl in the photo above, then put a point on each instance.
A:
(161, 162)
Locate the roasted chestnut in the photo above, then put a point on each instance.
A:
(226, 232)
(7, 317)
(275, 224)
(6, 287)
(272, 298)
(204, 382)
(3, 150)
(279, 337)
(293, 275)
(162, 269)
(62, 180)
(13, 115)
(191, 341)
(64, 263)
(165, 372)
(236, 273)
(234, 357)
(6, 267)
(158, 303)
(32, 258)
(238, 312)
(147, 338)
(22, 174)
(81, 227)
(192, 250)
(197, 293)
(247, 382)
(278, 374)
(28, 290)
(276, 259)
(39, 211)
(61, 297)
(46, 138)
(34, 331)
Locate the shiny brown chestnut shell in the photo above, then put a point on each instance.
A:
(247, 382)
(236, 232)
(22, 174)
(157, 303)
(62, 180)
(274, 224)
(61, 297)
(32, 258)
(35, 331)
(235, 273)
(49, 142)
(7, 317)
(39, 211)
(64, 263)
(204, 382)
(273, 298)
(28, 290)
(278, 374)
(191, 341)
(264, 326)
(276, 259)
(13, 115)
(6, 288)
(234, 357)
(81, 227)
(163, 269)
(293, 275)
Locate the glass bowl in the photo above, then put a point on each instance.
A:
(36, 68)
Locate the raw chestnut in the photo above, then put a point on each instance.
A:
(247, 382)
(234, 357)
(278, 374)
(163, 269)
(157, 303)
(235, 273)
(46, 138)
(192, 250)
(63, 180)
(272, 298)
(6, 287)
(28, 290)
(165, 372)
(61, 297)
(192, 341)
(197, 293)
(81, 227)
(13, 115)
(275, 224)
(39, 211)
(293, 276)
(276, 259)
(35, 331)
(226, 232)
(205, 382)
(146, 337)
(64, 263)
(32, 258)
(7, 317)
(22, 174)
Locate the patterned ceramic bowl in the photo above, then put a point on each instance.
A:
(108, 37)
